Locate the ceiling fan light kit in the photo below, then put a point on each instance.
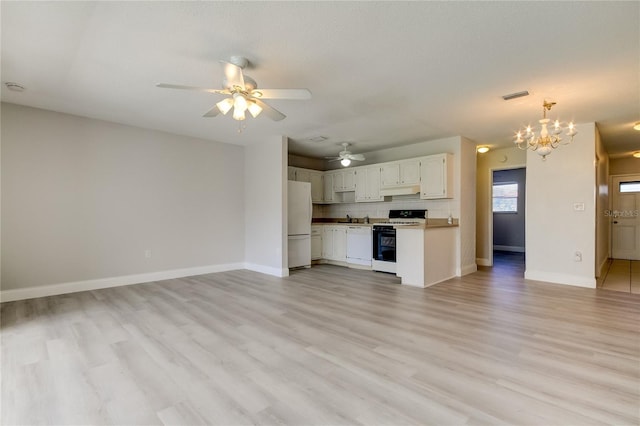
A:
(243, 94)
(546, 140)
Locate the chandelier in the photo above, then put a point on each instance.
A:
(547, 139)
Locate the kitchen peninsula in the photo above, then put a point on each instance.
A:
(426, 254)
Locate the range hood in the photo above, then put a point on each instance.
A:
(400, 190)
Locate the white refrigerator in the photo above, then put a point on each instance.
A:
(299, 223)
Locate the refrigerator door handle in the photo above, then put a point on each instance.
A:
(299, 237)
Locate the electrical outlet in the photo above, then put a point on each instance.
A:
(577, 257)
(578, 207)
(147, 253)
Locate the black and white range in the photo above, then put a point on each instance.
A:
(384, 237)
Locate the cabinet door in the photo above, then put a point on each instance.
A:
(316, 247)
(410, 172)
(340, 243)
(437, 177)
(317, 191)
(373, 184)
(390, 175)
(291, 173)
(327, 242)
(338, 181)
(361, 185)
(349, 180)
(328, 188)
(303, 175)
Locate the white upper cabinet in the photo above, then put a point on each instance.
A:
(312, 176)
(400, 173)
(329, 195)
(303, 175)
(368, 184)
(344, 180)
(410, 172)
(317, 191)
(436, 176)
(291, 173)
(390, 175)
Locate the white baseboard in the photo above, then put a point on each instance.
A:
(72, 287)
(483, 262)
(551, 277)
(466, 270)
(516, 249)
(269, 270)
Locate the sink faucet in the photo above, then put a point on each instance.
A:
(348, 218)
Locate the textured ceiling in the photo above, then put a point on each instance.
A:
(381, 73)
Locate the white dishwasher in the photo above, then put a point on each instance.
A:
(359, 245)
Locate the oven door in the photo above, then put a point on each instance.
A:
(384, 243)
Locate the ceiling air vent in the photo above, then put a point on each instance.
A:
(515, 95)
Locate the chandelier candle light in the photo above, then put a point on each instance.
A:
(546, 140)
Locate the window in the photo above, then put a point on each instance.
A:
(505, 197)
(630, 186)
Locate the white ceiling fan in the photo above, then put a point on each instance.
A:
(243, 94)
(345, 156)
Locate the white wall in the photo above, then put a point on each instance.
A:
(467, 194)
(624, 166)
(83, 200)
(602, 204)
(266, 206)
(554, 230)
(498, 159)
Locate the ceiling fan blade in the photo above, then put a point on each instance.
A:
(197, 89)
(232, 74)
(212, 112)
(356, 157)
(300, 94)
(269, 111)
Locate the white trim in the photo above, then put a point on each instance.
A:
(96, 284)
(467, 269)
(603, 265)
(490, 204)
(551, 277)
(517, 249)
(483, 262)
(269, 270)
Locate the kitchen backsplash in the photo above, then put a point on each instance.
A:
(437, 208)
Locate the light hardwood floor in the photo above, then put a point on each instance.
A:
(327, 345)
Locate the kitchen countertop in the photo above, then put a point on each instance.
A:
(431, 223)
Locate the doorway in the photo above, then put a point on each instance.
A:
(625, 220)
(623, 270)
(508, 189)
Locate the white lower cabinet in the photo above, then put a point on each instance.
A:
(316, 242)
(334, 243)
(350, 244)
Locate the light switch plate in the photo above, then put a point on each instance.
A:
(578, 207)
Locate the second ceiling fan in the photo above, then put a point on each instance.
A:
(243, 93)
(345, 156)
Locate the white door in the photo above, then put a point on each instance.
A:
(625, 217)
